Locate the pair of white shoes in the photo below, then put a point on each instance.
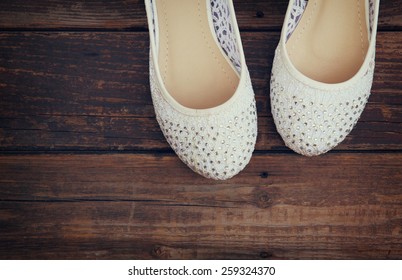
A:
(202, 93)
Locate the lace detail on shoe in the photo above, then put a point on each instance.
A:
(371, 14)
(295, 16)
(312, 121)
(223, 24)
(218, 145)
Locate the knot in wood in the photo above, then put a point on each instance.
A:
(264, 200)
(265, 255)
(259, 14)
(160, 252)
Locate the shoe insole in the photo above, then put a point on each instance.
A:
(331, 40)
(193, 67)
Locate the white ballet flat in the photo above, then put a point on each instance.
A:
(323, 71)
(200, 85)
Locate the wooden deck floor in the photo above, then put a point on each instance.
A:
(86, 173)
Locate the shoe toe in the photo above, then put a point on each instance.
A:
(218, 153)
(216, 147)
(216, 144)
(310, 127)
(313, 120)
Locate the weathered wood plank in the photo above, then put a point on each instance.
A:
(130, 14)
(332, 180)
(89, 91)
(89, 133)
(124, 230)
(129, 206)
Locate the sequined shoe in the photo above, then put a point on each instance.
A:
(323, 71)
(200, 85)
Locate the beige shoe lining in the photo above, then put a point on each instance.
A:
(193, 67)
(331, 40)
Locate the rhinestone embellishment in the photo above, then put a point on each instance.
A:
(218, 142)
(314, 118)
(312, 121)
(218, 145)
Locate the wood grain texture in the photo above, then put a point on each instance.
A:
(85, 172)
(128, 206)
(90, 91)
(130, 14)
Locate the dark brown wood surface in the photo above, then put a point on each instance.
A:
(85, 172)
(129, 14)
